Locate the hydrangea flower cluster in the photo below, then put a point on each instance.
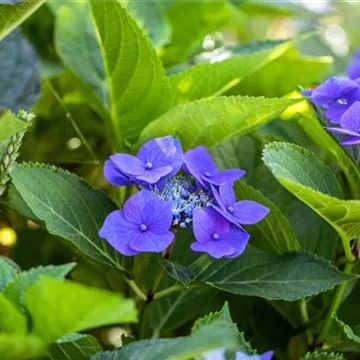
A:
(340, 97)
(177, 190)
(239, 355)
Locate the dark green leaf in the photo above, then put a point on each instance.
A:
(7, 274)
(177, 271)
(69, 207)
(289, 277)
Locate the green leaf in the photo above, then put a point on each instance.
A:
(20, 347)
(59, 308)
(316, 132)
(323, 356)
(13, 16)
(284, 74)
(139, 89)
(76, 43)
(177, 271)
(10, 124)
(12, 321)
(210, 79)
(348, 341)
(74, 347)
(217, 335)
(210, 121)
(190, 22)
(19, 77)
(288, 277)
(301, 173)
(7, 274)
(15, 290)
(69, 207)
(275, 229)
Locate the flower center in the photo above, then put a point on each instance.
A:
(230, 209)
(143, 227)
(342, 101)
(207, 174)
(216, 236)
(148, 165)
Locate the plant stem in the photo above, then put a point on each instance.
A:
(171, 290)
(347, 249)
(135, 288)
(305, 318)
(336, 302)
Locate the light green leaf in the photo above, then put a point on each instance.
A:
(301, 173)
(190, 22)
(210, 79)
(210, 121)
(76, 43)
(12, 321)
(323, 356)
(59, 308)
(327, 141)
(74, 347)
(275, 228)
(20, 347)
(10, 124)
(284, 74)
(288, 277)
(217, 335)
(69, 207)
(7, 274)
(139, 90)
(15, 290)
(12, 16)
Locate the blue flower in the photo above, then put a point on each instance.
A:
(349, 126)
(214, 355)
(216, 236)
(242, 212)
(335, 95)
(142, 226)
(155, 160)
(353, 69)
(239, 355)
(199, 164)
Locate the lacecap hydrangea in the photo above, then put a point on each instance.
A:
(177, 190)
(340, 98)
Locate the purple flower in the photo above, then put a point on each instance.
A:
(214, 355)
(155, 160)
(353, 69)
(199, 164)
(216, 236)
(350, 125)
(336, 95)
(243, 356)
(142, 226)
(244, 212)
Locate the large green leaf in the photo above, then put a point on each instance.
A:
(300, 172)
(19, 76)
(11, 319)
(275, 229)
(209, 79)
(59, 308)
(288, 277)
(15, 290)
(313, 128)
(20, 347)
(139, 90)
(284, 74)
(69, 207)
(216, 335)
(74, 347)
(78, 48)
(7, 274)
(12, 16)
(211, 121)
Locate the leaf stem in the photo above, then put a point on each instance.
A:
(135, 288)
(336, 302)
(350, 257)
(305, 318)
